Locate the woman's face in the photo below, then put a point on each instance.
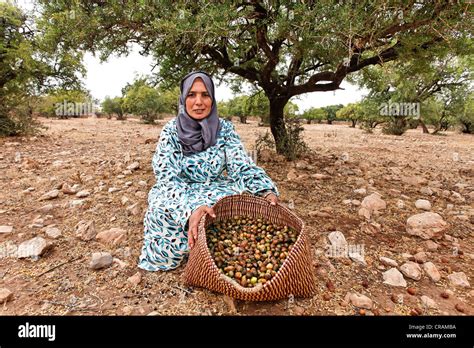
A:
(198, 100)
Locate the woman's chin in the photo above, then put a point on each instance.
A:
(198, 117)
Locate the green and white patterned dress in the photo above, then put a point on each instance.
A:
(184, 183)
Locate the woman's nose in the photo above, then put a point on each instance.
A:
(198, 100)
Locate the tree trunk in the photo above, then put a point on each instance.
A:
(425, 129)
(353, 123)
(243, 119)
(308, 121)
(277, 123)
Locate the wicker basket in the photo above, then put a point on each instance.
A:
(295, 277)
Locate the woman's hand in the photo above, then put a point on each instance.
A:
(272, 198)
(194, 222)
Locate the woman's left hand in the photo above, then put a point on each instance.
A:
(272, 198)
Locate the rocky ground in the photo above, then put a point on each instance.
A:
(400, 208)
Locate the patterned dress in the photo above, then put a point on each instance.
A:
(184, 183)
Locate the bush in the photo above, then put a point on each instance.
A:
(395, 126)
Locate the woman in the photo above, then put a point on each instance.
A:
(199, 159)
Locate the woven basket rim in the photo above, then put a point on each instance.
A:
(259, 287)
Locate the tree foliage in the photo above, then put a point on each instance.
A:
(31, 64)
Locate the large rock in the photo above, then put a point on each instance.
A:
(337, 239)
(112, 237)
(85, 230)
(394, 278)
(459, 279)
(101, 260)
(359, 300)
(371, 205)
(426, 225)
(411, 270)
(33, 248)
(432, 271)
(5, 295)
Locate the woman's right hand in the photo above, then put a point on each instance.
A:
(194, 222)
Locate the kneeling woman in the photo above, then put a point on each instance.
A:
(199, 159)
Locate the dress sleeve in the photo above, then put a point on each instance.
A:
(170, 187)
(242, 169)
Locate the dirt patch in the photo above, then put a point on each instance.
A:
(94, 154)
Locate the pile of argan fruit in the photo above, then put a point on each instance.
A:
(249, 250)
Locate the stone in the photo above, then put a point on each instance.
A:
(431, 246)
(5, 295)
(46, 208)
(459, 279)
(134, 166)
(76, 203)
(337, 239)
(400, 204)
(34, 248)
(292, 175)
(124, 200)
(141, 194)
(68, 190)
(371, 204)
(411, 270)
(356, 202)
(429, 303)
(361, 191)
(83, 194)
(423, 204)
(421, 257)
(113, 189)
(319, 176)
(134, 209)
(135, 279)
(112, 237)
(100, 260)
(388, 262)
(6, 229)
(426, 191)
(53, 232)
(432, 272)
(426, 225)
(50, 195)
(359, 300)
(85, 230)
(142, 183)
(357, 256)
(394, 278)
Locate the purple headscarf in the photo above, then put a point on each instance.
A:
(196, 135)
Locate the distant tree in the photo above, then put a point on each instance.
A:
(143, 100)
(314, 114)
(113, 106)
(350, 112)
